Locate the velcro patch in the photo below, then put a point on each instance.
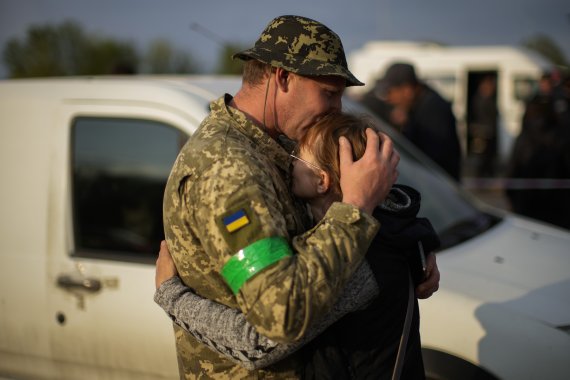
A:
(236, 221)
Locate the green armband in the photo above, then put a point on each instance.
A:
(253, 259)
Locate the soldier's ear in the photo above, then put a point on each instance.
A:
(282, 79)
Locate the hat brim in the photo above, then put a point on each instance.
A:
(311, 68)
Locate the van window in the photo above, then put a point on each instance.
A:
(524, 88)
(120, 168)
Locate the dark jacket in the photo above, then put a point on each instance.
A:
(432, 128)
(364, 344)
(542, 150)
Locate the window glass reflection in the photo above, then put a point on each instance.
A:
(451, 213)
(120, 168)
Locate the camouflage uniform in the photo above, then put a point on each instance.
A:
(236, 235)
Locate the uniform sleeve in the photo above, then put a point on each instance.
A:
(281, 283)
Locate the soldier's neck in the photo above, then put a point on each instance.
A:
(248, 102)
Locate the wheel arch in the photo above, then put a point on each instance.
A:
(444, 366)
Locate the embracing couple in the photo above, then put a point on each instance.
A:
(290, 252)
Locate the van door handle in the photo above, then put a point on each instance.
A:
(68, 282)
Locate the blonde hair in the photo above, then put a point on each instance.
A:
(321, 140)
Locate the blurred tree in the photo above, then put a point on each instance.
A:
(162, 58)
(46, 51)
(227, 65)
(66, 50)
(107, 56)
(545, 46)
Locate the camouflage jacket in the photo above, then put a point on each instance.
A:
(232, 167)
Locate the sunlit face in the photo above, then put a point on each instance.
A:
(306, 176)
(306, 101)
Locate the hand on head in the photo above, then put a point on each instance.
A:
(365, 183)
(165, 268)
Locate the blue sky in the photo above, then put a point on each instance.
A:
(483, 22)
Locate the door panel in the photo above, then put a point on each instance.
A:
(105, 323)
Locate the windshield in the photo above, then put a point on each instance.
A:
(450, 211)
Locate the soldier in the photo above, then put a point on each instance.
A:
(230, 220)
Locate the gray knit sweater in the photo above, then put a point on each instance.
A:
(226, 330)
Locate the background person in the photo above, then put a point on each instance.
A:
(542, 151)
(422, 115)
(484, 116)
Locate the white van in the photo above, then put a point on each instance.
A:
(454, 71)
(83, 164)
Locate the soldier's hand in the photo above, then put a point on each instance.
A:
(431, 283)
(365, 183)
(165, 267)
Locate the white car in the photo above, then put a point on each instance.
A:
(83, 166)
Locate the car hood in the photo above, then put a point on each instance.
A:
(519, 264)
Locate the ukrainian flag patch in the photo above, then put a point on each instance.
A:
(236, 221)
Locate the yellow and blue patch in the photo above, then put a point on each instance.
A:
(236, 221)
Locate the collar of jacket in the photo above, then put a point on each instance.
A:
(400, 226)
(271, 148)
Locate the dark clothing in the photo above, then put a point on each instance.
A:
(431, 126)
(542, 150)
(483, 131)
(364, 344)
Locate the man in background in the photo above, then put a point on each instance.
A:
(421, 114)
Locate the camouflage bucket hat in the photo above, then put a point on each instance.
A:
(303, 46)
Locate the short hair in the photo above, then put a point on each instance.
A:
(322, 141)
(254, 72)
